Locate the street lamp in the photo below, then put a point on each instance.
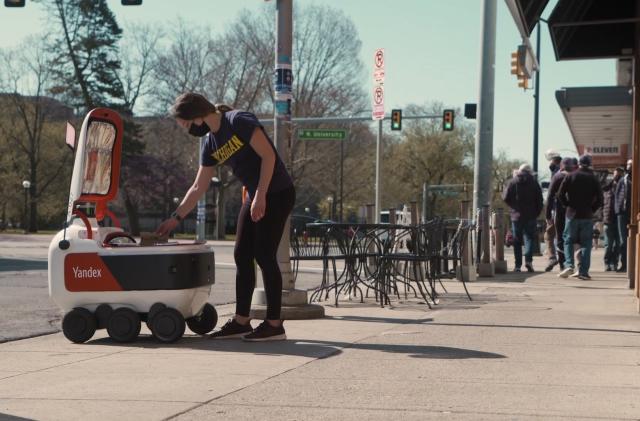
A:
(330, 200)
(26, 185)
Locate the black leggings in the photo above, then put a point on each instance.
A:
(259, 241)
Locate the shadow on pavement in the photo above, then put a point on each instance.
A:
(14, 265)
(585, 329)
(379, 319)
(300, 348)
(7, 417)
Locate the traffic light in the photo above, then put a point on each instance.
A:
(131, 2)
(515, 64)
(523, 82)
(447, 120)
(14, 3)
(519, 66)
(396, 119)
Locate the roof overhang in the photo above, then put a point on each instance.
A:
(592, 29)
(526, 14)
(600, 121)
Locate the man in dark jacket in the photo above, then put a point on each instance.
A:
(622, 208)
(610, 221)
(581, 195)
(523, 195)
(555, 213)
(555, 165)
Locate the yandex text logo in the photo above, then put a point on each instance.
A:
(91, 272)
(88, 272)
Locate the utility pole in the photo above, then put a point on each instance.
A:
(294, 301)
(282, 114)
(482, 191)
(536, 105)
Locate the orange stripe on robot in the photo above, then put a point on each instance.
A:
(88, 272)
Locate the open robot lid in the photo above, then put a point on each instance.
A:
(96, 169)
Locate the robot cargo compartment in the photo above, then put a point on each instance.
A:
(137, 272)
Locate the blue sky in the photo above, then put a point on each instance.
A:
(431, 50)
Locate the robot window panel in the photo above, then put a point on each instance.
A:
(98, 157)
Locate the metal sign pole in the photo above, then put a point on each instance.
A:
(200, 216)
(378, 160)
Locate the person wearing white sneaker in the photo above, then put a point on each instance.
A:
(581, 194)
(566, 272)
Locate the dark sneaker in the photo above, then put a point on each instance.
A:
(265, 332)
(608, 268)
(517, 270)
(232, 329)
(550, 265)
(621, 269)
(529, 267)
(585, 277)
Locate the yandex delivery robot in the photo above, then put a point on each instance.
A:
(100, 276)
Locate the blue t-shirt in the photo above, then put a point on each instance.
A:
(230, 146)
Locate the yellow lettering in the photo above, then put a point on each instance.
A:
(225, 152)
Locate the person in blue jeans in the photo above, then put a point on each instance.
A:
(622, 207)
(581, 194)
(523, 195)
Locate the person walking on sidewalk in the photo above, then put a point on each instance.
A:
(623, 212)
(523, 195)
(610, 221)
(236, 138)
(581, 195)
(555, 211)
(555, 164)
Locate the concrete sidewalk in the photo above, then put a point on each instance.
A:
(526, 347)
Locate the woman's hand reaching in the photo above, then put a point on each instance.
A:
(258, 207)
(166, 227)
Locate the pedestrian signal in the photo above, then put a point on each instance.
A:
(447, 120)
(396, 119)
(131, 2)
(14, 3)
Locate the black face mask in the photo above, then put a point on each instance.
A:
(553, 167)
(199, 131)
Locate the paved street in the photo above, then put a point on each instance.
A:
(528, 347)
(25, 307)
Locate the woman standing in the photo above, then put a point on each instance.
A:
(237, 139)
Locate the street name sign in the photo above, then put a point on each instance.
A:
(321, 134)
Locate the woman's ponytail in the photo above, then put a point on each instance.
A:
(222, 108)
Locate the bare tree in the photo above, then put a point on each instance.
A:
(237, 68)
(425, 154)
(27, 119)
(185, 64)
(138, 50)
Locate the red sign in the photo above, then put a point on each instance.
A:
(87, 272)
(606, 157)
(378, 85)
(378, 59)
(378, 103)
